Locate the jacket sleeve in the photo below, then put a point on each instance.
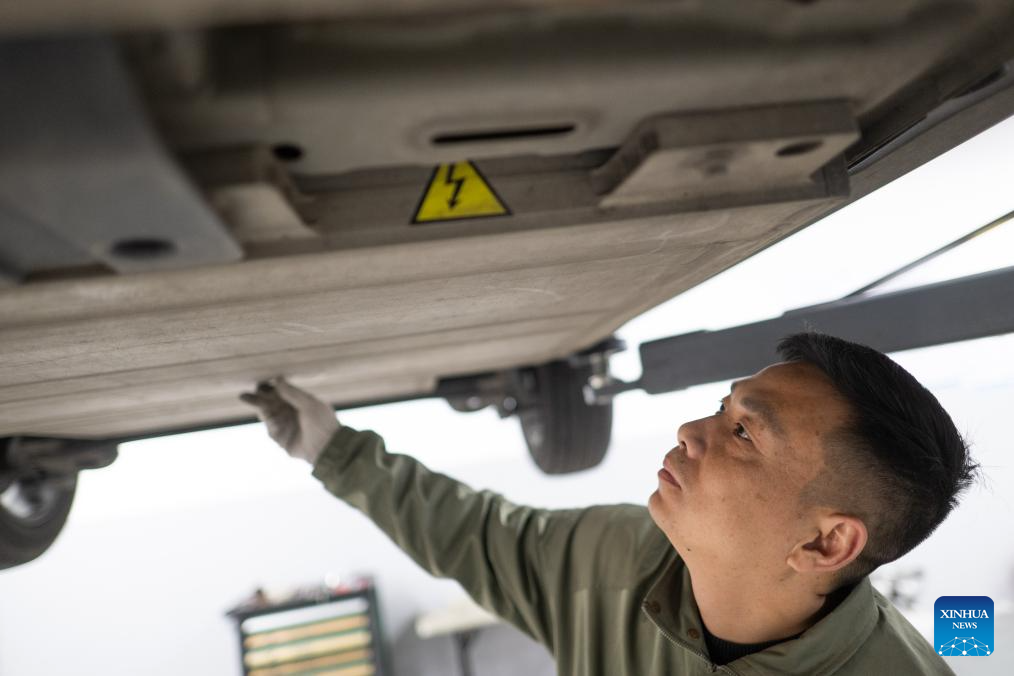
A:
(517, 562)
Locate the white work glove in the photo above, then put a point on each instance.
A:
(299, 422)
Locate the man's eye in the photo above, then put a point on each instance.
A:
(738, 430)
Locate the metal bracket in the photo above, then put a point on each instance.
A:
(772, 149)
(514, 389)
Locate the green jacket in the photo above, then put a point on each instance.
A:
(600, 586)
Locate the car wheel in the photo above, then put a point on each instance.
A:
(32, 513)
(564, 434)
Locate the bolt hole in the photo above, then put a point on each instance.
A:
(288, 152)
(799, 148)
(142, 249)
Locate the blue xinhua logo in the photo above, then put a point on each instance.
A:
(963, 626)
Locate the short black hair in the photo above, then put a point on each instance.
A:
(899, 462)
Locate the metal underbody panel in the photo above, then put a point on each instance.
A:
(83, 176)
(101, 356)
(637, 152)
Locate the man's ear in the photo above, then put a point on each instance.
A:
(839, 540)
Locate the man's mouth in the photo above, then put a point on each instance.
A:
(666, 474)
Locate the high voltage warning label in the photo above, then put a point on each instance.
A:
(456, 191)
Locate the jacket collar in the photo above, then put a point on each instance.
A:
(821, 649)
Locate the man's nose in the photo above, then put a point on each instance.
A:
(692, 436)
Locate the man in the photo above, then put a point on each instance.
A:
(752, 555)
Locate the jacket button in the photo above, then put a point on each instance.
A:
(694, 634)
(654, 607)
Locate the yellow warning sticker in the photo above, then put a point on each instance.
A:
(456, 191)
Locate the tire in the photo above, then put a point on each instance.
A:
(32, 514)
(563, 433)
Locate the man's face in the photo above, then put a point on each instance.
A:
(739, 472)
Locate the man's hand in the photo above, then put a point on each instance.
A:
(299, 422)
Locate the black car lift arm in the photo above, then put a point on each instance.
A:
(971, 307)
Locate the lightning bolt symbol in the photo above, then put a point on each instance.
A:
(458, 182)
